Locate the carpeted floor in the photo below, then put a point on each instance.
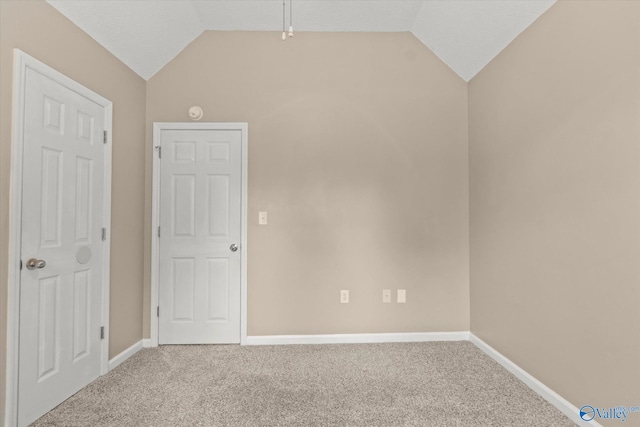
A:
(408, 384)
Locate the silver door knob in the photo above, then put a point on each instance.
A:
(233, 247)
(33, 263)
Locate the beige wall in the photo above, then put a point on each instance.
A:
(42, 32)
(554, 124)
(358, 151)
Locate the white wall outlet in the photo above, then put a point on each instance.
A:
(344, 296)
(402, 295)
(386, 295)
(262, 218)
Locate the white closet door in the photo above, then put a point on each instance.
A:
(200, 230)
(62, 220)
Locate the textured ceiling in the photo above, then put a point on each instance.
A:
(147, 34)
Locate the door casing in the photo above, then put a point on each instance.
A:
(158, 127)
(22, 62)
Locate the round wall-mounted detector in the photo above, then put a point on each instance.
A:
(195, 113)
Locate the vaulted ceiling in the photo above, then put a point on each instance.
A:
(147, 34)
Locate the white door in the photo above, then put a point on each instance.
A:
(61, 245)
(200, 231)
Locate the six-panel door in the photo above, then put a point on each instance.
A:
(62, 213)
(200, 222)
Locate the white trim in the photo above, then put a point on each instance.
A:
(15, 226)
(244, 232)
(155, 244)
(117, 360)
(158, 127)
(545, 392)
(106, 253)
(146, 343)
(357, 338)
(22, 61)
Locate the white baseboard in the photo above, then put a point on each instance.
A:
(146, 343)
(117, 360)
(356, 338)
(545, 392)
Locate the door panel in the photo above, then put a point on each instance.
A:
(184, 208)
(218, 287)
(200, 218)
(218, 206)
(81, 313)
(62, 217)
(50, 217)
(183, 289)
(83, 199)
(48, 321)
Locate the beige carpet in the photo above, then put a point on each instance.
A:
(412, 384)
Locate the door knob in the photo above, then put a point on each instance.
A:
(33, 263)
(233, 247)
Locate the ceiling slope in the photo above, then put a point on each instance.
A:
(467, 35)
(147, 34)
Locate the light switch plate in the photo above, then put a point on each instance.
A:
(402, 295)
(386, 295)
(262, 218)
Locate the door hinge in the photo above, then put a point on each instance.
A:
(158, 231)
(159, 148)
(104, 234)
(101, 332)
(158, 311)
(104, 137)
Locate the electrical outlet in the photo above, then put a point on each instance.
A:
(344, 296)
(262, 218)
(402, 296)
(386, 295)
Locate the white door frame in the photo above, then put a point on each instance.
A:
(22, 62)
(158, 127)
